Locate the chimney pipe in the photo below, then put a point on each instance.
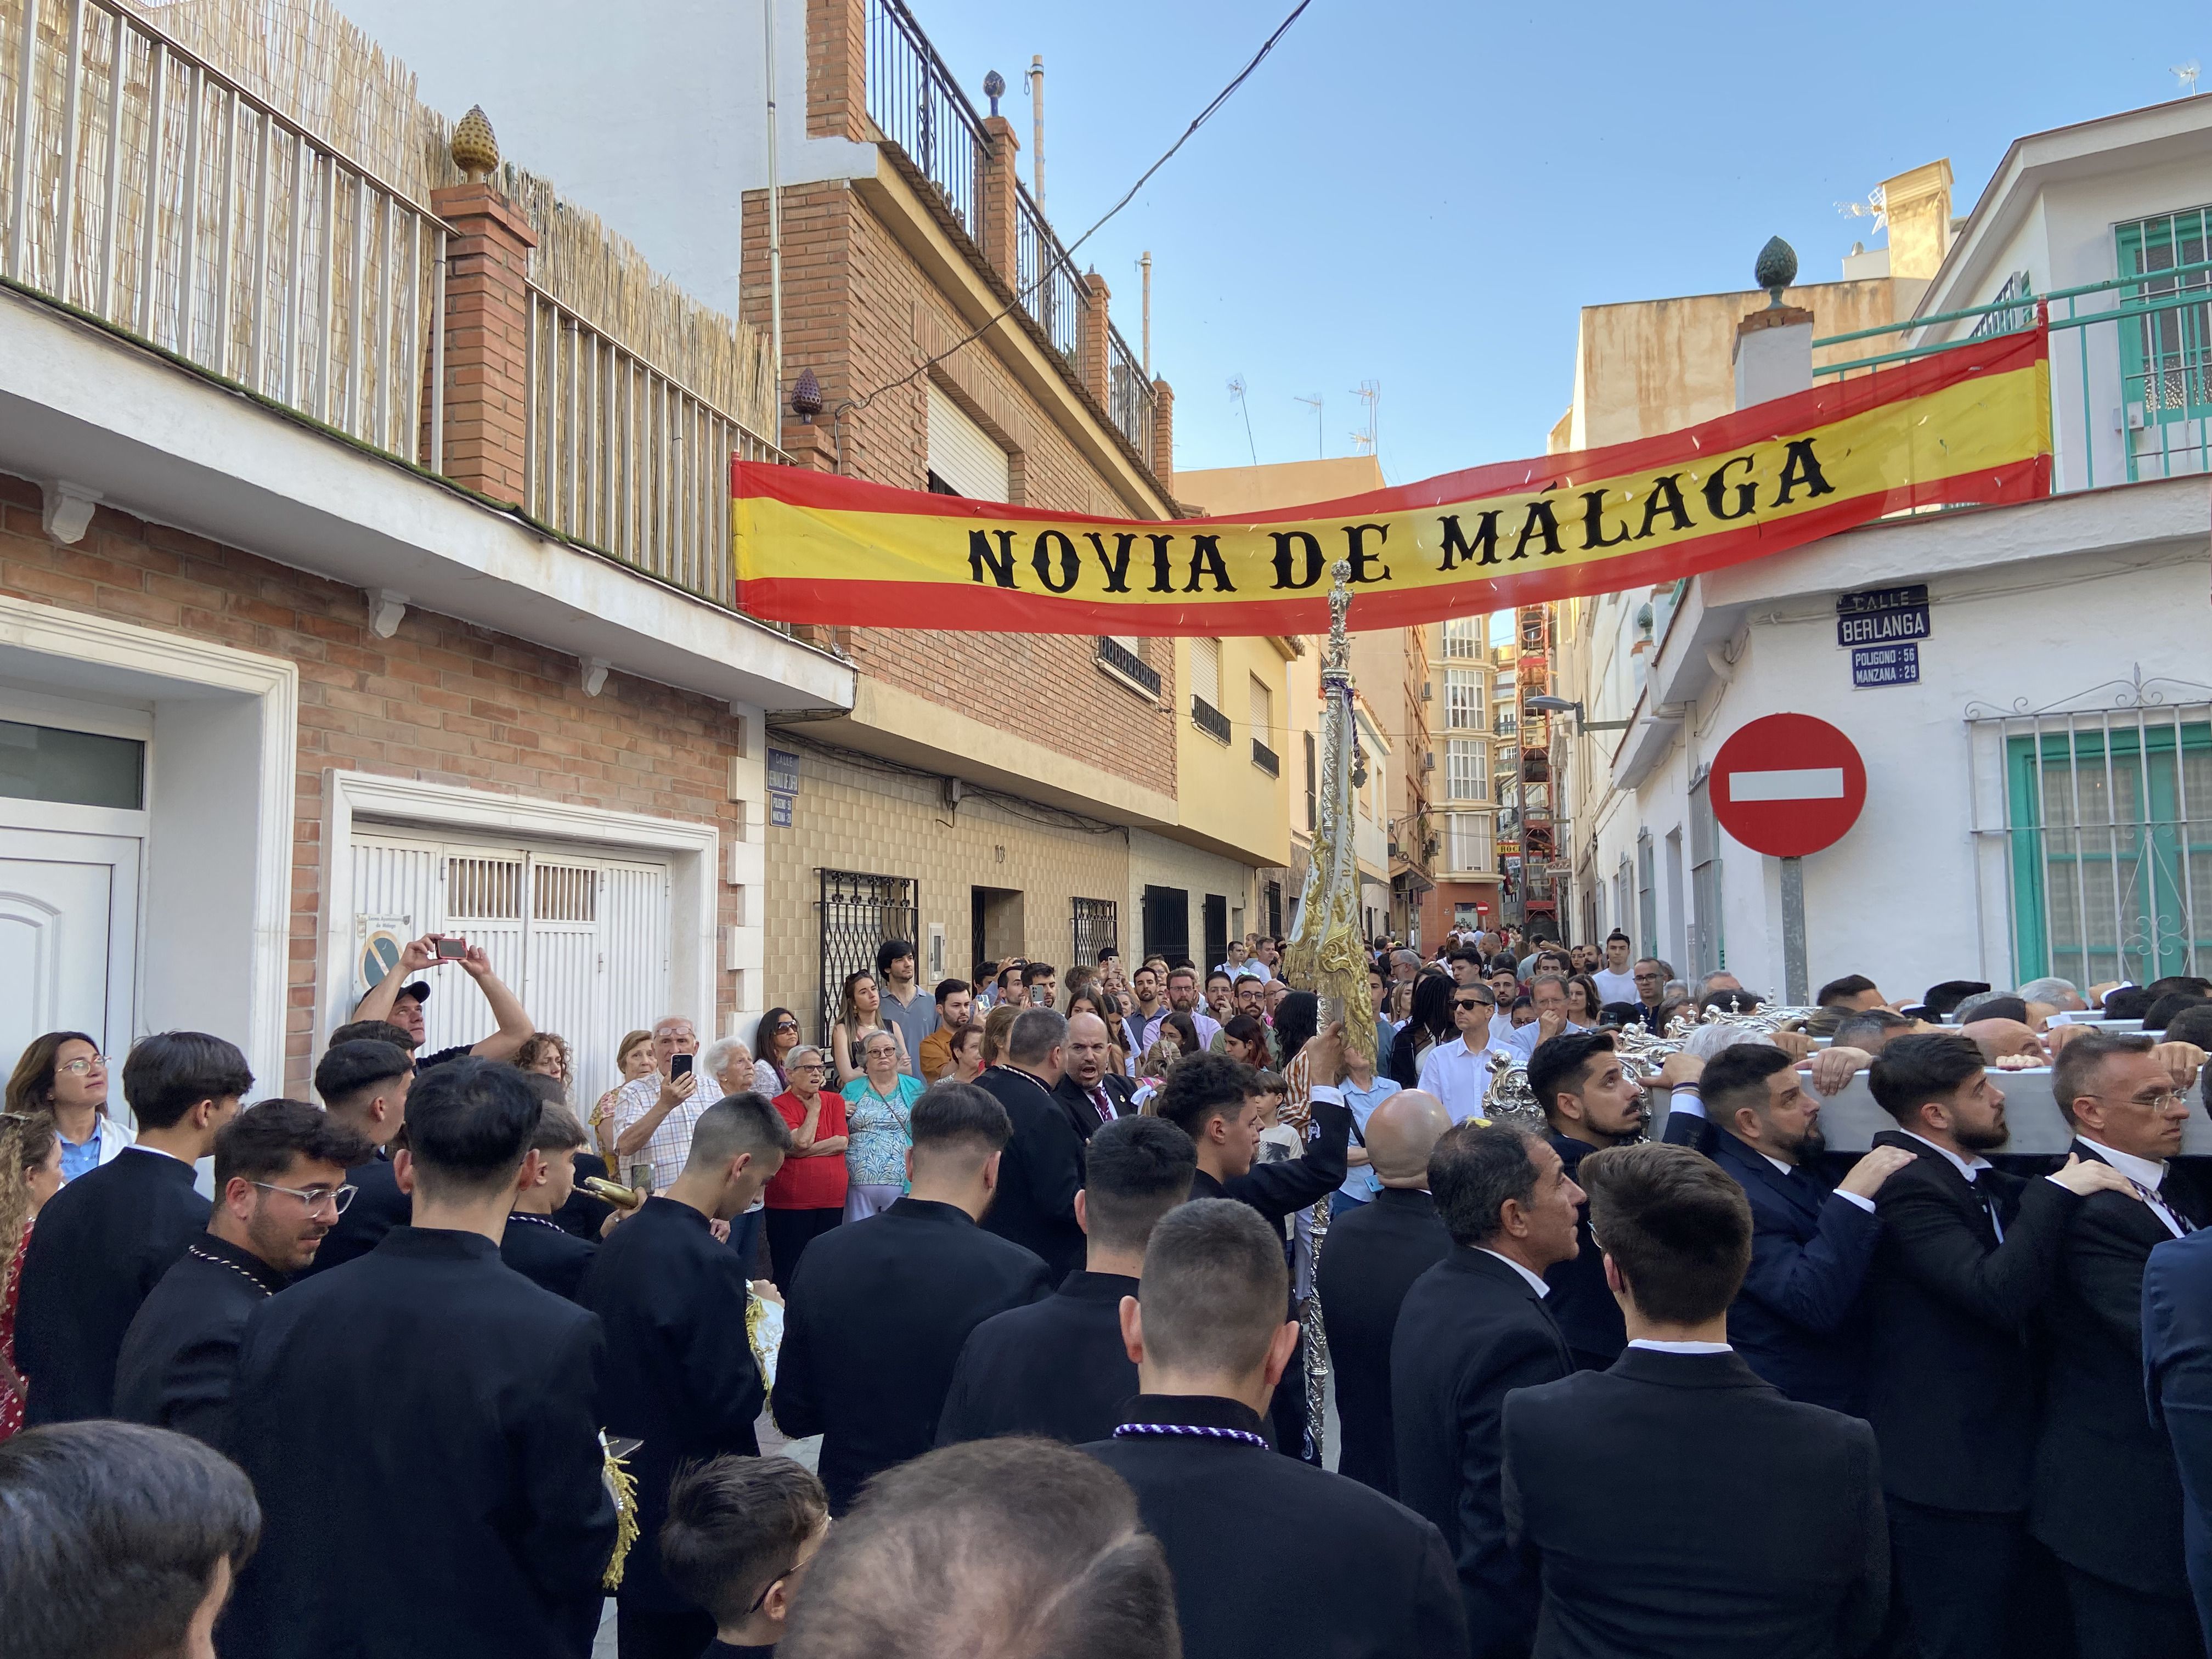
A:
(1036, 131)
(1146, 262)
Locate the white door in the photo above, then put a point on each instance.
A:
(68, 923)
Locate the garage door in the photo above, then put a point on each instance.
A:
(582, 938)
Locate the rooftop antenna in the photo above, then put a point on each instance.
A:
(1236, 392)
(1316, 402)
(1875, 207)
(1036, 125)
(1371, 393)
(1145, 265)
(2186, 74)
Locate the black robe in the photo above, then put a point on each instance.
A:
(1366, 1578)
(1370, 1260)
(180, 1353)
(546, 1253)
(679, 1372)
(878, 1314)
(101, 1245)
(422, 1429)
(1039, 1173)
(378, 1207)
(1057, 1368)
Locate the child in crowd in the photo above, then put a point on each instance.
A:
(740, 1534)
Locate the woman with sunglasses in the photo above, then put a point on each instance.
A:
(64, 1073)
(774, 1041)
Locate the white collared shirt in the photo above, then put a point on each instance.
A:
(1523, 1042)
(2147, 1173)
(1658, 1346)
(1866, 1204)
(1458, 1076)
(1534, 1281)
(158, 1151)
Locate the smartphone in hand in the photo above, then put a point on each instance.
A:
(680, 1065)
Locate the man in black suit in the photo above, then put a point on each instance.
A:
(1800, 1320)
(279, 1167)
(679, 1372)
(1677, 1504)
(1359, 1576)
(1967, 1255)
(536, 1245)
(1042, 1169)
(1058, 1367)
(1473, 1329)
(1375, 1252)
(2106, 1499)
(1216, 1100)
(1590, 1099)
(421, 1425)
(879, 1310)
(1090, 1091)
(104, 1241)
(364, 1083)
(2177, 1379)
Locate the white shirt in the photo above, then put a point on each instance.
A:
(1208, 1027)
(1458, 1076)
(1534, 1281)
(1658, 1346)
(1614, 987)
(668, 1147)
(1866, 1204)
(1501, 1026)
(2147, 1173)
(1523, 1042)
(1236, 970)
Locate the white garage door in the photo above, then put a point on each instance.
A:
(964, 455)
(581, 939)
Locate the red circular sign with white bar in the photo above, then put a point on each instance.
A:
(1788, 784)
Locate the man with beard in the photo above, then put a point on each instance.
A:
(1800, 1320)
(1590, 1100)
(280, 1182)
(1967, 1254)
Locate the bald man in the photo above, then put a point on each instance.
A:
(1090, 1090)
(2001, 1039)
(1374, 1253)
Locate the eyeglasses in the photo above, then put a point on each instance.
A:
(315, 1197)
(2157, 1102)
(810, 1066)
(79, 1068)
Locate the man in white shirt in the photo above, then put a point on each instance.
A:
(1615, 983)
(1183, 999)
(1458, 1073)
(652, 1117)
(1548, 994)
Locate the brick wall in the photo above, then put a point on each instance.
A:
(441, 701)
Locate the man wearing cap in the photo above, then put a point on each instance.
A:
(399, 1000)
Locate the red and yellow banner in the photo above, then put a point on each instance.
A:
(1969, 426)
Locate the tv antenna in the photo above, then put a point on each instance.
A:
(1236, 392)
(1313, 402)
(1371, 393)
(2186, 74)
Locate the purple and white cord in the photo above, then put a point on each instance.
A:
(1191, 1430)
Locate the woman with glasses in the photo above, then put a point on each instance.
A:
(806, 1197)
(633, 1060)
(775, 1040)
(64, 1073)
(878, 1104)
(30, 1174)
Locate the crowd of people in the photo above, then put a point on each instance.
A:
(1053, 1264)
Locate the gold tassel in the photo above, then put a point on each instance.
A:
(621, 1482)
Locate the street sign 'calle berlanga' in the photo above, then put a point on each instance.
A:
(1882, 616)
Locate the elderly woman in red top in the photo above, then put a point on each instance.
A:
(806, 1196)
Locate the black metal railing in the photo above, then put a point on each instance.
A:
(1095, 926)
(858, 912)
(919, 107)
(1129, 400)
(1127, 663)
(1045, 277)
(1265, 758)
(1209, 719)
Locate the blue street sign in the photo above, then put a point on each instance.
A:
(1878, 616)
(1885, 664)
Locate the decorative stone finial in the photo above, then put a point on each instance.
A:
(474, 147)
(1776, 269)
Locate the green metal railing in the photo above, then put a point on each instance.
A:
(2155, 365)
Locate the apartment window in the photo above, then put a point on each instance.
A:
(1206, 690)
(1463, 638)
(1263, 728)
(1647, 895)
(1469, 840)
(1463, 699)
(2110, 837)
(1467, 769)
(1708, 949)
(2165, 362)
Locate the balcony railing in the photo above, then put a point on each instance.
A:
(917, 104)
(1264, 759)
(2130, 390)
(1209, 719)
(149, 190)
(146, 187)
(1127, 663)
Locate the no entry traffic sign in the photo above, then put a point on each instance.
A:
(1788, 784)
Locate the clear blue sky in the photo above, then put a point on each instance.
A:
(1424, 193)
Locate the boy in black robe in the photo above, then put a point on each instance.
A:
(535, 1245)
(364, 1082)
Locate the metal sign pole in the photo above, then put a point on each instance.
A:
(1797, 986)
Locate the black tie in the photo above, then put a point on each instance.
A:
(1988, 1200)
